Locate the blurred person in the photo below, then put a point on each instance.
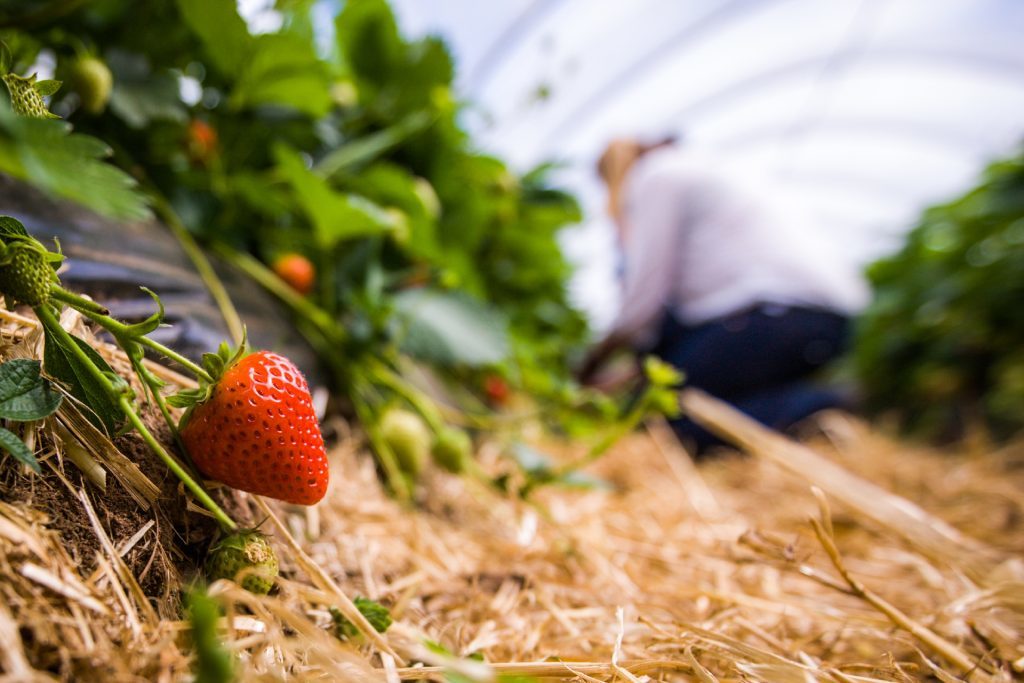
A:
(726, 283)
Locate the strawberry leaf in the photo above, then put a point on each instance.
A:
(66, 366)
(213, 663)
(46, 154)
(450, 328)
(11, 227)
(24, 395)
(375, 613)
(16, 447)
(335, 216)
(222, 31)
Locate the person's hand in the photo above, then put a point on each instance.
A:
(597, 357)
(614, 378)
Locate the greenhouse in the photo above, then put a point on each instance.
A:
(509, 342)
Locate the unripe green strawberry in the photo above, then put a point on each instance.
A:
(451, 449)
(246, 550)
(26, 276)
(409, 439)
(26, 95)
(92, 80)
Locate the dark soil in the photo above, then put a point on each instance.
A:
(170, 553)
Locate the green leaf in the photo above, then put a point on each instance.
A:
(141, 96)
(11, 227)
(450, 328)
(375, 613)
(5, 58)
(47, 88)
(213, 663)
(367, 148)
(335, 216)
(46, 154)
(369, 40)
(24, 395)
(660, 373)
(16, 447)
(284, 70)
(222, 31)
(66, 366)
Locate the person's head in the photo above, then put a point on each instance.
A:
(614, 165)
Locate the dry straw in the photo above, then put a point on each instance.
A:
(904, 565)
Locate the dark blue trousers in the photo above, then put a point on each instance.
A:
(760, 360)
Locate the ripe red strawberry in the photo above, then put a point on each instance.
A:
(297, 271)
(257, 431)
(202, 142)
(496, 389)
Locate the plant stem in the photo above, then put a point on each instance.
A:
(79, 303)
(121, 331)
(178, 470)
(52, 324)
(203, 267)
(153, 384)
(176, 357)
(619, 430)
(423, 404)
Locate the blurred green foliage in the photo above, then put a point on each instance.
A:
(342, 143)
(943, 342)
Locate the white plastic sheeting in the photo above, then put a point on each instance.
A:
(863, 111)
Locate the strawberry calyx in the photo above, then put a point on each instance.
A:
(215, 365)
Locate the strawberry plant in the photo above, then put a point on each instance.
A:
(941, 344)
(344, 149)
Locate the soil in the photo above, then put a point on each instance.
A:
(166, 555)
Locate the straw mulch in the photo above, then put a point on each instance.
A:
(737, 569)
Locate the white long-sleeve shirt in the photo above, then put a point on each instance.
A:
(703, 244)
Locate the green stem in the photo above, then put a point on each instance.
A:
(203, 267)
(120, 331)
(423, 404)
(154, 386)
(52, 324)
(624, 427)
(79, 303)
(179, 471)
(176, 357)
